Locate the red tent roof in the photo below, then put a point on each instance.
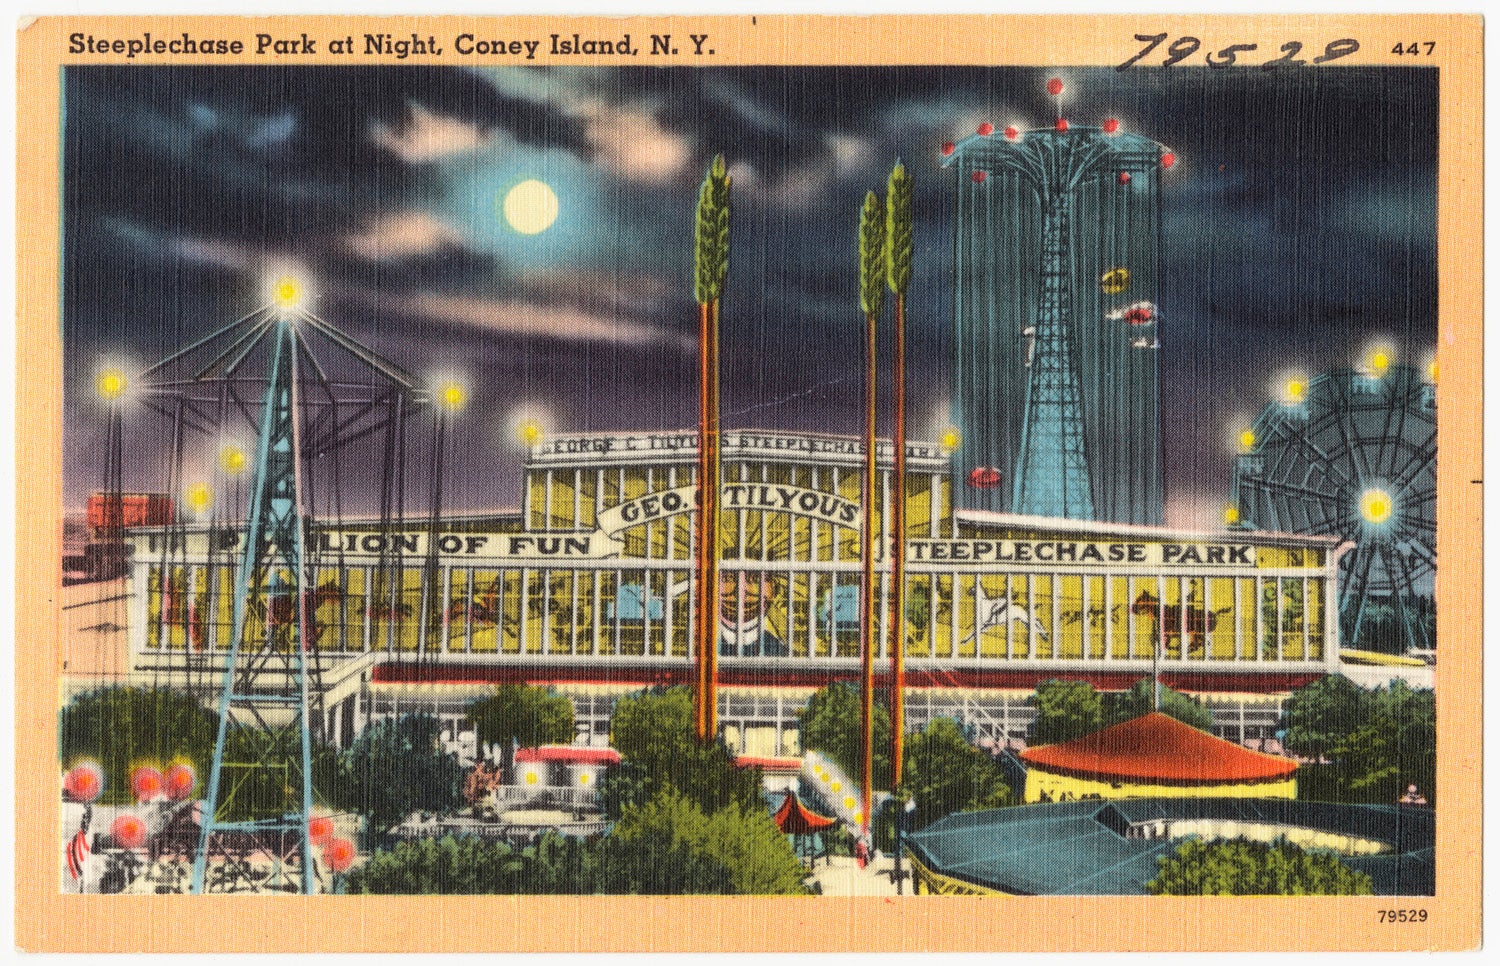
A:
(569, 754)
(793, 818)
(1155, 746)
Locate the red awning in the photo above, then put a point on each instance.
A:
(569, 755)
(1155, 746)
(794, 819)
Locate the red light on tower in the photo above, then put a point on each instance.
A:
(1012, 132)
(1111, 125)
(1168, 159)
(984, 478)
(84, 783)
(978, 177)
(128, 831)
(1123, 177)
(1055, 86)
(320, 829)
(146, 783)
(1062, 124)
(947, 148)
(986, 129)
(339, 854)
(180, 781)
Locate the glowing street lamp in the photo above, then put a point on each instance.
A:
(529, 432)
(453, 395)
(951, 438)
(199, 496)
(1231, 515)
(232, 459)
(1247, 440)
(1294, 390)
(1377, 360)
(110, 384)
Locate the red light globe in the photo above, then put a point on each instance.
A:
(128, 831)
(978, 177)
(1062, 124)
(1055, 86)
(1168, 159)
(1111, 125)
(1123, 177)
(1012, 132)
(339, 854)
(147, 783)
(180, 781)
(948, 147)
(320, 830)
(83, 783)
(986, 129)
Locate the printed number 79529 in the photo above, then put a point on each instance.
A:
(1403, 915)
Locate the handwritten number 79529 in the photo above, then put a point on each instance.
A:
(1185, 47)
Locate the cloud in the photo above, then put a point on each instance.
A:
(514, 317)
(426, 137)
(633, 144)
(392, 237)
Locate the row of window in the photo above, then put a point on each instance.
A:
(797, 614)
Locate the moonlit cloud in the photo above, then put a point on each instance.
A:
(531, 319)
(427, 137)
(634, 145)
(403, 235)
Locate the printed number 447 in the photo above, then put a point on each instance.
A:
(1414, 48)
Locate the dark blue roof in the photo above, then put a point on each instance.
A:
(1074, 848)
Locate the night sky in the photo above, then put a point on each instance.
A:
(1299, 226)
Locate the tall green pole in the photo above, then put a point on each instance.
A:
(898, 256)
(871, 297)
(710, 268)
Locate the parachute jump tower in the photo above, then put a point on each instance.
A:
(320, 391)
(1056, 246)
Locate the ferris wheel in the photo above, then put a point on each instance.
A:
(1352, 453)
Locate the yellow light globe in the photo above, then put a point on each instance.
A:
(287, 292)
(1377, 361)
(199, 496)
(951, 438)
(529, 433)
(1231, 514)
(1295, 390)
(1375, 505)
(453, 396)
(1247, 439)
(232, 459)
(110, 384)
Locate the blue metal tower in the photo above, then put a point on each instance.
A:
(1055, 379)
(254, 834)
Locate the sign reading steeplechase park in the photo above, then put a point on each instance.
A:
(605, 542)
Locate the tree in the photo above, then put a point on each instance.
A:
(123, 728)
(521, 714)
(1376, 742)
(653, 732)
(555, 865)
(395, 767)
(1320, 715)
(1239, 867)
(946, 774)
(1065, 710)
(669, 846)
(710, 270)
(1141, 697)
(830, 725)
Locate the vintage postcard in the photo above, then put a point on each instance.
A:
(749, 483)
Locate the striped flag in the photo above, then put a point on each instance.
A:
(78, 848)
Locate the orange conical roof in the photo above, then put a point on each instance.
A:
(794, 818)
(1159, 747)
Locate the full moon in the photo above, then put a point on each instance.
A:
(530, 207)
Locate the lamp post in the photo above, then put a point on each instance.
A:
(902, 817)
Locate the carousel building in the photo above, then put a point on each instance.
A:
(587, 587)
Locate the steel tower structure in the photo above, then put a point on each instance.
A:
(319, 390)
(1055, 385)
